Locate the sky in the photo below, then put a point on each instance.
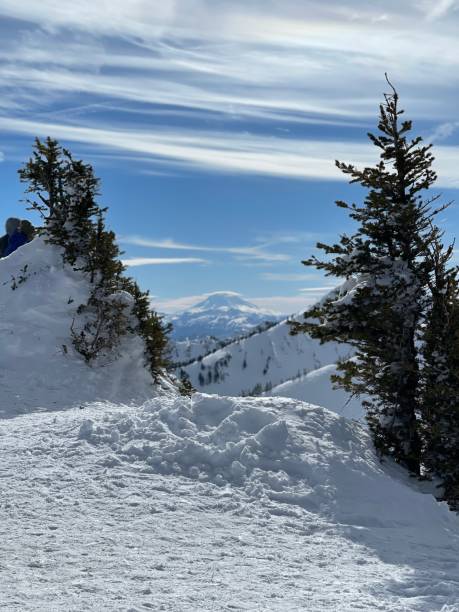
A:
(214, 124)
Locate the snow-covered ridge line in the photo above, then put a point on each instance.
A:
(202, 347)
(262, 361)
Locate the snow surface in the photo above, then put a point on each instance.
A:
(317, 388)
(223, 314)
(38, 366)
(212, 503)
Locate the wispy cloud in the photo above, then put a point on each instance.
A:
(234, 153)
(443, 131)
(289, 61)
(288, 277)
(160, 261)
(436, 9)
(218, 64)
(322, 289)
(285, 304)
(256, 252)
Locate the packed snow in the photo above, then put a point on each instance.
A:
(214, 503)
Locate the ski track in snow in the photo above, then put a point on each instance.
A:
(91, 521)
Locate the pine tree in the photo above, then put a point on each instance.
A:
(44, 174)
(66, 193)
(81, 211)
(380, 305)
(65, 196)
(440, 375)
(150, 326)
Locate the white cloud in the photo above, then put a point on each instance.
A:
(285, 60)
(289, 60)
(289, 277)
(323, 289)
(436, 9)
(443, 131)
(234, 153)
(173, 305)
(257, 252)
(285, 304)
(159, 261)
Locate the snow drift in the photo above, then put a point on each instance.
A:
(283, 453)
(212, 503)
(38, 366)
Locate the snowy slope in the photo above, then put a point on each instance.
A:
(223, 314)
(184, 351)
(210, 504)
(264, 359)
(316, 387)
(38, 367)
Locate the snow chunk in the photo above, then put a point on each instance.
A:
(274, 436)
(86, 429)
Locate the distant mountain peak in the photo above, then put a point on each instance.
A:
(222, 314)
(221, 300)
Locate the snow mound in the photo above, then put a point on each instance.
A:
(39, 297)
(287, 456)
(214, 503)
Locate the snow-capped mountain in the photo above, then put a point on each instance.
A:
(223, 314)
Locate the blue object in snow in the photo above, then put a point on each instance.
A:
(15, 241)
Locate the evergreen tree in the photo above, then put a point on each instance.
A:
(150, 326)
(185, 386)
(44, 174)
(440, 375)
(65, 196)
(66, 193)
(81, 211)
(380, 305)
